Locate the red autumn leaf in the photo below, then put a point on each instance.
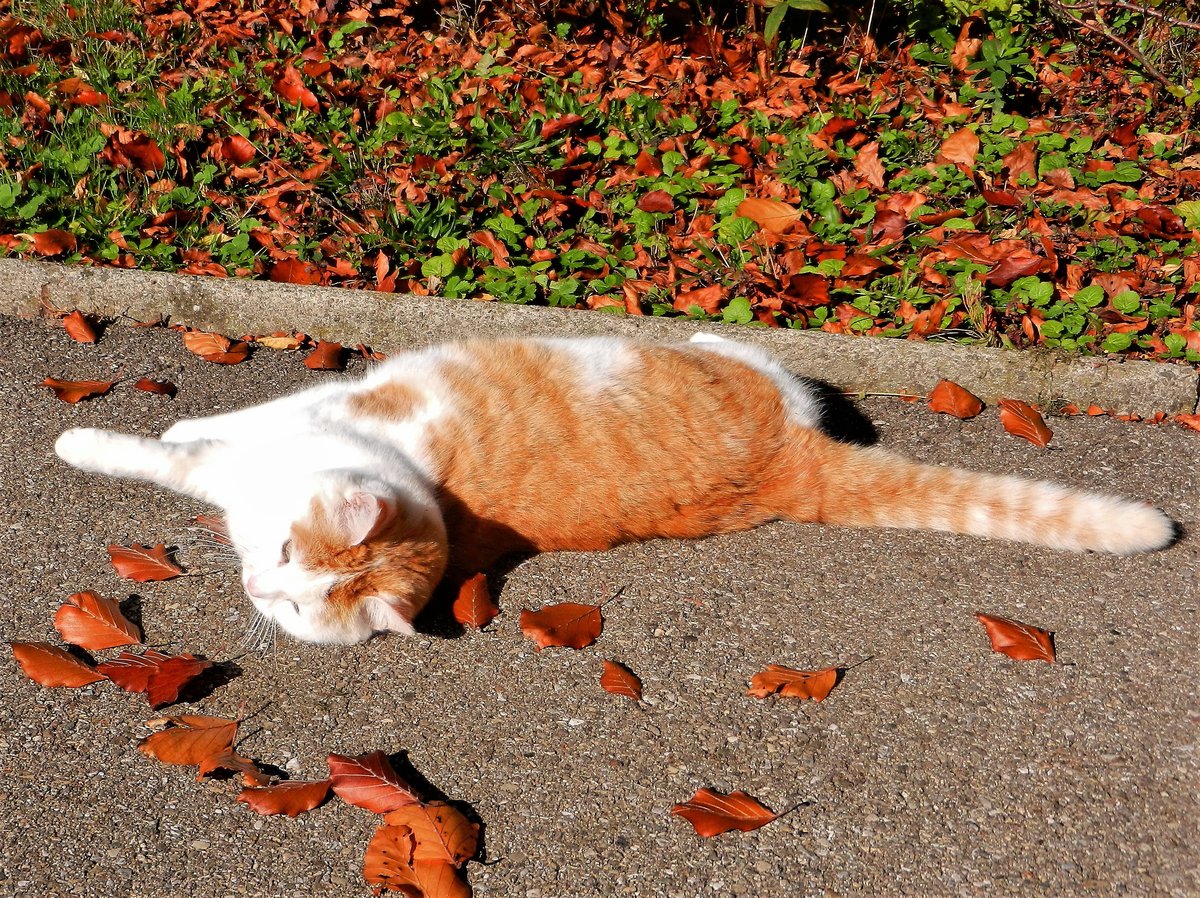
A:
(294, 271)
(143, 563)
(656, 201)
(1190, 421)
(161, 387)
(645, 164)
(79, 328)
(368, 781)
(775, 216)
(215, 348)
(190, 739)
(566, 625)
(1014, 264)
(230, 760)
(961, 147)
(290, 86)
(390, 864)
(74, 390)
(868, 166)
(161, 677)
(440, 831)
(292, 798)
(949, 398)
(620, 680)
(707, 299)
(808, 684)
(130, 149)
(1023, 421)
(713, 813)
(492, 244)
(132, 672)
(236, 149)
(94, 623)
(326, 357)
(562, 123)
(48, 665)
(53, 242)
(1021, 642)
(474, 606)
(1001, 198)
(1021, 161)
(929, 322)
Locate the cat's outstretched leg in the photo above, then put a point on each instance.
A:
(182, 467)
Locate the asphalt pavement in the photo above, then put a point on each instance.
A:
(935, 768)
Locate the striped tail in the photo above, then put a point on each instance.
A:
(869, 487)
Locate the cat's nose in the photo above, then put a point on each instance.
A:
(255, 589)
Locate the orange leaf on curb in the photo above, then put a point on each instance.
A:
(949, 398)
(48, 665)
(143, 563)
(565, 625)
(473, 606)
(1022, 420)
(190, 739)
(74, 390)
(620, 680)
(368, 781)
(1190, 421)
(713, 813)
(161, 387)
(1021, 642)
(326, 357)
(293, 797)
(812, 684)
(94, 623)
(775, 216)
(79, 328)
(231, 761)
(215, 348)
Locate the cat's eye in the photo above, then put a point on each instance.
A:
(285, 553)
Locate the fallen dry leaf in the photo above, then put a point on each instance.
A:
(79, 328)
(962, 147)
(161, 387)
(440, 831)
(390, 864)
(775, 216)
(1021, 642)
(290, 86)
(811, 684)
(52, 242)
(620, 680)
(1190, 421)
(292, 798)
(143, 563)
(161, 677)
(1021, 420)
(283, 342)
(565, 625)
(368, 781)
(473, 606)
(231, 761)
(74, 390)
(295, 271)
(326, 357)
(215, 348)
(94, 623)
(713, 813)
(656, 201)
(236, 149)
(949, 398)
(48, 665)
(190, 739)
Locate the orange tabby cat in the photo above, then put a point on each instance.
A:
(448, 458)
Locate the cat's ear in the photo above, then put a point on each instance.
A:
(363, 515)
(388, 614)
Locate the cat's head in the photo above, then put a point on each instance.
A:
(341, 561)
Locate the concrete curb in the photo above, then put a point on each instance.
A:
(394, 321)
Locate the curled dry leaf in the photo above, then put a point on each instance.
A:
(326, 357)
(390, 864)
(94, 623)
(565, 625)
(215, 348)
(473, 606)
(161, 677)
(562, 123)
(775, 216)
(74, 390)
(713, 813)
(236, 149)
(143, 563)
(812, 684)
(231, 761)
(1019, 641)
(48, 665)
(52, 242)
(161, 387)
(440, 832)
(368, 781)
(620, 680)
(949, 398)
(1022, 420)
(292, 798)
(78, 328)
(290, 86)
(279, 341)
(190, 739)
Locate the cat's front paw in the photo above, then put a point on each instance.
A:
(82, 447)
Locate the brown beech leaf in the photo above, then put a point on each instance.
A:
(390, 864)
(132, 672)
(1021, 642)
(172, 675)
(562, 123)
(79, 328)
(93, 622)
(279, 341)
(1192, 422)
(48, 665)
(1021, 420)
(190, 739)
(233, 762)
(143, 563)
(813, 684)
(565, 625)
(236, 149)
(161, 387)
(326, 357)
(868, 166)
(440, 831)
(290, 86)
(775, 216)
(656, 201)
(620, 680)
(962, 147)
(215, 348)
(74, 390)
(294, 271)
(713, 813)
(474, 606)
(949, 398)
(52, 242)
(368, 781)
(292, 798)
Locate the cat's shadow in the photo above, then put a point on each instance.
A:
(840, 418)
